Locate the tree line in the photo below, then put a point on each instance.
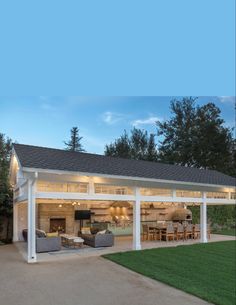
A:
(194, 136)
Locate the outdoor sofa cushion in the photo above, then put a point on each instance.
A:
(39, 233)
(98, 240)
(43, 243)
(48, 244)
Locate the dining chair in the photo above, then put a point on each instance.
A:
(196, 231)
(188, 231)
(148, 233)
(169, 232)
(180, 231)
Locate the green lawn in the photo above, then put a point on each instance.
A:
(230, 232)
(205, 270)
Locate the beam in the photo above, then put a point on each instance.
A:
(161, 182)
(85, 196)
(91, 189)
(203, 219)
(15, 222)
(136, 220)
(93, 196)
(31, 222)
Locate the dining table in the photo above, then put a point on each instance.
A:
(159, 229)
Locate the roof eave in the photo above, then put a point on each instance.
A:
(61, 172)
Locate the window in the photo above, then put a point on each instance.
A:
(233, 196)
(188, 194)
(44, 186)
(111, 189)
(217, 195)
(155, 192)
(77, 187)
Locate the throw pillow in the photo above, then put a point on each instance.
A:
(102, 232)
(85, 230)
(53, 234)
(40, 233)
(94, 230)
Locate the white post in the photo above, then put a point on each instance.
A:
(136, 221)
(15, 222)
(203, 218)
(31, 222)
(174, 193)
(91, 190)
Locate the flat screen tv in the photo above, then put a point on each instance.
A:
(82, 214)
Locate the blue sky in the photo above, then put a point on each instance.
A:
(46, 120)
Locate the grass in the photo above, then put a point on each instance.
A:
(204, 270)
(230, 232)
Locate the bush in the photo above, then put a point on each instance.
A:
(221, 216)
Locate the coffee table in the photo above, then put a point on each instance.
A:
(71, 241)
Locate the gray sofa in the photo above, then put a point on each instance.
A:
(43, 243)
(48, 244)
(98, 240)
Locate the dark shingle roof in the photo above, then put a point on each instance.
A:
(56, 159)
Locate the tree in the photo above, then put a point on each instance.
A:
(139, 146)
(195, 136)
(120, 147)
(74, 143)
(6, 196)
(152, 154)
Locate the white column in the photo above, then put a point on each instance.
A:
(31, 222)
(136, 221)
(174, 193)
(15, 222)
(91, 190)
(203, 218)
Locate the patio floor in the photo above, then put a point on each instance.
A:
(122, 243)
(83, 281)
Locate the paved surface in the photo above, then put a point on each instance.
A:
(84, 281)
(123, 243)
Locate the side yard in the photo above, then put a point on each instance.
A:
(204, 270)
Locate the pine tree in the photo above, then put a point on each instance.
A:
(74, 143)
(139, 145)
(152, 154)
(120, 148)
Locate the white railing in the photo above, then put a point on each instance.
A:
(233, 195)
(188, 194)
(155, 192)
(62, 187)
(217, 195)
(113, 190)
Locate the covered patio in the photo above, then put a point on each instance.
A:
(51, 185)
(122, 244)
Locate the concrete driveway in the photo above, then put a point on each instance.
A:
(84, 281)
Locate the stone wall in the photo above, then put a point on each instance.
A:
(52, 210)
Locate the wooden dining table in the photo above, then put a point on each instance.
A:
(158, 230)
(161, 228)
